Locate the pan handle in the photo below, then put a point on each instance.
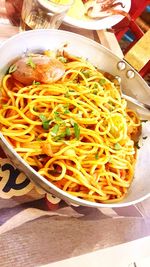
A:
(138, 56)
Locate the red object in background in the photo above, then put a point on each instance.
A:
(145, 70)
(137, 7)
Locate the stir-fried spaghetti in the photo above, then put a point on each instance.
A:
(76, 132)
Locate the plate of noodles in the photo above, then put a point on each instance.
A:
(64, 123)
(97, 15)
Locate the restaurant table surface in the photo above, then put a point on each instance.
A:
(38, 229)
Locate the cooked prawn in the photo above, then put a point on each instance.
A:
(38, 68)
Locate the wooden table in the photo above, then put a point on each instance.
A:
(37, 229)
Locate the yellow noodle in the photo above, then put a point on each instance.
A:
(86, 146)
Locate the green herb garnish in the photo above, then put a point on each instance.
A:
(60, 136)
(31, 63)
(45, 121)
(102, 81)
(57, 117)
(12, 68)
(67, 94)
(36, 83)
(66, 111)
(76, 130)
(62, 59)
(68, 133)
(117, 146)
(55, 130)
(95, 92)
(86, 73)
(56, 113)
(96, 156)
(95, 86)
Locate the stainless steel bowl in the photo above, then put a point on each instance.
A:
(101, 57)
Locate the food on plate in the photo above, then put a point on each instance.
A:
(97, 9)
(76, 131)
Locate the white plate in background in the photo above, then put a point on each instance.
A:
(98, 24)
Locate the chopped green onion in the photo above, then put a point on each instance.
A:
(76, 130)
(68, 133)
(67, 94)
(66, 111)
(95, 92)
(55, 130)
(96, 156)
(35, 109)
(59, 137)
(62, 59)
(30, 63)
(86, 73)
(56, 113)
(45, 121)
(58, 119)
(36, 83)
(95, 86)
(117, 146)
(12, 68)
(102, 81)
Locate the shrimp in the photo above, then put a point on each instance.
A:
(38, 68)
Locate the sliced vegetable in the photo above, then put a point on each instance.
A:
(12, 68)
(45, 121)
(96, 156)
(36, 83)
(117, 146)
(76, 130)
(102, 81)
(31, 63)
(62, 59)
(55, 129)
(56, 113)
(86, 73)
(66, 111)
(67, 94)
(60, 136)
(68, 132)
(58, 119)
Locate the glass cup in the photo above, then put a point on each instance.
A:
(44, 14)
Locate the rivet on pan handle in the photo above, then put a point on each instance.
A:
(138, 56)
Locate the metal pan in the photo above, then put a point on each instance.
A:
(104, 59)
